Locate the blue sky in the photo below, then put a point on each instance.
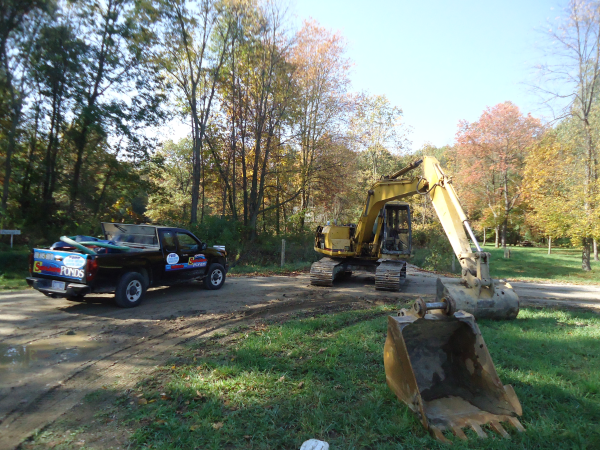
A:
(440, 61)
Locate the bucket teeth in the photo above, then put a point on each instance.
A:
(497, 427)
(437, 433)
(515, 423)
(477, 429)
(459, 433)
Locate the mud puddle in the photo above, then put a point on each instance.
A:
(18, 360)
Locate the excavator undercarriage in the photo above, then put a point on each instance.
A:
(389, 274)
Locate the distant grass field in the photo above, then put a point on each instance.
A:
(274, 385)
(534, 264)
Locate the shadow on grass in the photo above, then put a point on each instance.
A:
(278, 385)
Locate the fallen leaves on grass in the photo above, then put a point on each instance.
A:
(301, 385)
(142, 401)
(281, 379)
(217, 425)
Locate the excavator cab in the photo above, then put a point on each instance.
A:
(396, 236)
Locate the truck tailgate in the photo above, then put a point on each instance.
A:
(67, 266)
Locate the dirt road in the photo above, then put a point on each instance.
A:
(53, 352)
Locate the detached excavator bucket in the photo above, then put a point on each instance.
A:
(441, 368)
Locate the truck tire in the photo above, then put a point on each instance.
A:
(215, 277)
(130, 290)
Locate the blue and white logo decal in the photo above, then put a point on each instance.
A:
(74, 261)
(172, 258)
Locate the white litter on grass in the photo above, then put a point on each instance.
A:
(314, 444)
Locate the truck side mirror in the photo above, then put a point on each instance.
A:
(204, 246)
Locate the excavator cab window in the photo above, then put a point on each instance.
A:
(397, 235)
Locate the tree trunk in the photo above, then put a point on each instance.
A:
(503, 237)
(484, 236)
(195, 179)
(585, 255)
(549, 245)
(596, 250)
(277, 211)
(10, 148)
(27, 177)
(496, 244)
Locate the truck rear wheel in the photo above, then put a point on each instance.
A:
(215, 277)
(130, 290)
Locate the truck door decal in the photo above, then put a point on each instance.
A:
(193, 263)
(197, 261)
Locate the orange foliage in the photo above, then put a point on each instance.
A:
(491, 156)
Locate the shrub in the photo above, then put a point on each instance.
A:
(432, 250)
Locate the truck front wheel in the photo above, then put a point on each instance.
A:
(130, 290)
(215, 277)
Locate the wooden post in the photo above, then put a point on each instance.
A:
(282, 252)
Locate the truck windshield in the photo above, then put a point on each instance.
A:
(131, 235)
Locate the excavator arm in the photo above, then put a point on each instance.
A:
(476, 293)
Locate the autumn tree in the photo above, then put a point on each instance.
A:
(20, 21)
(570, 86)
(322, 81)
(491, 154)
(551, 186)
(192, 52)
(377, 134)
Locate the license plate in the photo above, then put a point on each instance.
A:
(58, 285)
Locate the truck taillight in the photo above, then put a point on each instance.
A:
(31, 264)
(92, 268)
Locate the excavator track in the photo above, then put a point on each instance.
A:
(390, 275)
(324, 271)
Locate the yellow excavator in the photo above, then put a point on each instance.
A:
(435, 358)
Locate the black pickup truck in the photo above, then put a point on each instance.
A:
(128, 261)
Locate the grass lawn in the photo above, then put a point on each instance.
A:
(534, 264)
(13, 268)
(273, 269)
(276, 384)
